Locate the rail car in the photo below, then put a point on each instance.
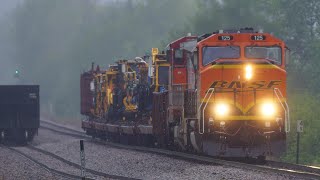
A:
(219, 94)
(19, 113)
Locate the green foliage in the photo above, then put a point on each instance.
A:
(304, 106)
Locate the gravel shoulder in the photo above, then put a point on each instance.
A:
(14, 166)
(143, 165)
(116, 161)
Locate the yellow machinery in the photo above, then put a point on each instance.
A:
(161, 70)
(118, 86)
(100, 91)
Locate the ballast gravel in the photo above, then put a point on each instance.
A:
(14, 166)
(115, 161)
(51, 162)
(143, 165)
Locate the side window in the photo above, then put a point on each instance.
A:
(178, 54)
(287, 58)
(163, 75)
(178, 57)
(195, 59)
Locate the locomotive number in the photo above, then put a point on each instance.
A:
(258, 37)
(225, 38)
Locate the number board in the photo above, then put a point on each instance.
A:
(225, 38)
(258, 37)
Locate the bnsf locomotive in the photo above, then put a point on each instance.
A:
(220, 94)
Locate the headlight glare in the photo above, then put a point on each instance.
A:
(268, 109)
(248, 72)
(221, 109)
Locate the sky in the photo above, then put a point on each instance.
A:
(7, 5)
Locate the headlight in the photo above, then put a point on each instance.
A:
(268, 109)
(221, 109)
(249, 72)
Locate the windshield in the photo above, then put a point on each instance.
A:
(270, 53)
(211, 54)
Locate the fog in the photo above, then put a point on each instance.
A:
(7, 49)
(51, 42)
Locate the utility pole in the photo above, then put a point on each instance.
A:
(299, 130)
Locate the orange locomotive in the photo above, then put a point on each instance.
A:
(221, 94)
(243, 93)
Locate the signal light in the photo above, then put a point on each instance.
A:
(16, 73)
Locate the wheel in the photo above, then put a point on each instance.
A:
(20, 136)
(26, 135)
(2, 136)
(261, 159)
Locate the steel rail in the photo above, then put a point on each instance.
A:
(61, 126)
(51, 170)
(270, 166)
(76, 135)
(97, 173)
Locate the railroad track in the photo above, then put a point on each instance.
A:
(44, 166)
(301, 171)
(97, 173)
(61, 173)
(72, 133)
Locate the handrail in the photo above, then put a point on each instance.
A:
(211, 91)
(285, 107)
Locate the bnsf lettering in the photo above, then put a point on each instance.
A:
(239, 84)
(257, 84)
(273, 83)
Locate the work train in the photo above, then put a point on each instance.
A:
(19, 113)
(220, 94)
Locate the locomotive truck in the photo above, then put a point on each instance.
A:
(220, 94)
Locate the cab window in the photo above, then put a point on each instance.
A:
(211, 54)
(271, 54)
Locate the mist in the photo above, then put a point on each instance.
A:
(51, 42)
(7, 48)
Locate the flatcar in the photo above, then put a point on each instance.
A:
(219, 94)
(19, 113)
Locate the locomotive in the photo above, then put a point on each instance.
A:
(220, 94)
